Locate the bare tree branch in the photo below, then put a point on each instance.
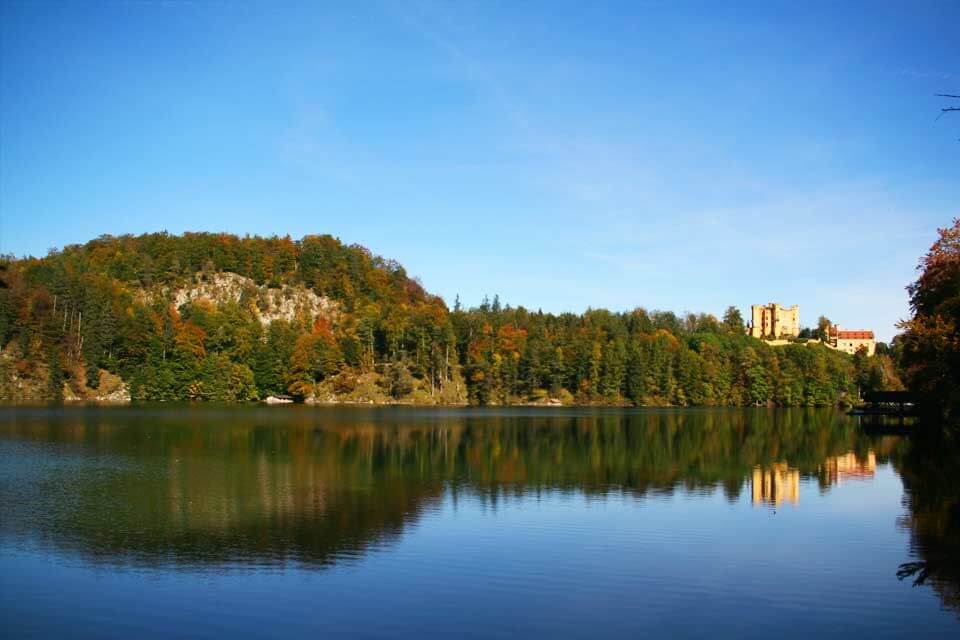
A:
(947, 109)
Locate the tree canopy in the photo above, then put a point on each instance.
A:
(930, 344)
(313, 316)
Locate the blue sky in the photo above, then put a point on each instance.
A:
(565, 155)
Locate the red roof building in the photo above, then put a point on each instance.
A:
(855, 335)
(852, 341)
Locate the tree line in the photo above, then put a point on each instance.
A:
(107, 306)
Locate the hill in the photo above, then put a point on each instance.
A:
(218, 317)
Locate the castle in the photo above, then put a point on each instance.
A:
(851, 341)
(773, 321)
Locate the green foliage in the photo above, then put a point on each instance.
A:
(272, 356)
(643, 357)
(397, 380)
(823, 328)
(226, 381)
(732, 319)
(108, 305)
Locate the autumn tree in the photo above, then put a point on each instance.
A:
(931, 342)
(315, 357)
(109, 305)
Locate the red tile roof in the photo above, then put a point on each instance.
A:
(855, 335)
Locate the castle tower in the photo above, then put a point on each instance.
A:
(773, 321)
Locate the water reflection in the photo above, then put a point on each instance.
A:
(780, 482)
(776, 483)
(930, 468)
(850, 466)
(215, 486)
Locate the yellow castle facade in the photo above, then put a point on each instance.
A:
(773, 321)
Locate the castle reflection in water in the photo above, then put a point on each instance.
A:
(850, 467)
(777, 483)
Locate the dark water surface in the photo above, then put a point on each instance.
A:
(177, 521)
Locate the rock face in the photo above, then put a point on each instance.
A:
(20, 383)
(285, 303)
(110, 389)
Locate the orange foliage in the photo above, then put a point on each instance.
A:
(931, 343)
(321, 328)
(511, 338)
(187, 336)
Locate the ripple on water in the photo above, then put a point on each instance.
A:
(334, 524)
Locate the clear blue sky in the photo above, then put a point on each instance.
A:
(565, 155)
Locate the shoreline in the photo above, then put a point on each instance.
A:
(79, 402)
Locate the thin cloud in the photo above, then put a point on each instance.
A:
(926, 74)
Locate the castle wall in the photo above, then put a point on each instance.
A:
(773, 320)
(850, 345)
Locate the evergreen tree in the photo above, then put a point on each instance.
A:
(732, 320)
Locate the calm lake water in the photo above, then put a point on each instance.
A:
(175, 521)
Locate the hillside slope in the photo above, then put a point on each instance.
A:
(218, 317)
(208, 316)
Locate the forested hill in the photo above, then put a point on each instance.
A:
(217, 317)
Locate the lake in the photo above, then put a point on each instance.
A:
(293, 521)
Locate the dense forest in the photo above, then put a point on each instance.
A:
(218, 317)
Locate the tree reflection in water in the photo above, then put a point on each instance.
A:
(929, 465)
(223, 487)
